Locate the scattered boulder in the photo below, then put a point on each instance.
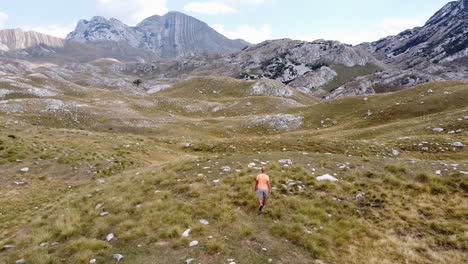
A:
(458, 145)
(327, 177)
(44, 244)
(118, 257)
(109, 237)
(104, 214)
(395, 152)
(204, 222)
(99, 206)
(92, 261)
(8, 246)
(226, 169)
(251, 165)
(188, 261)
(20, 261)
(438, 129)
(24, 170)
(186, 233)
(193, 243)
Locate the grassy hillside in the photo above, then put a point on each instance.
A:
(146, 168)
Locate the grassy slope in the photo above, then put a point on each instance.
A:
(407, 215)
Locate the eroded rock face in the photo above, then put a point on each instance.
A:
(17, 39)
(313, 80)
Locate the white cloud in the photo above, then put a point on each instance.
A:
(209, 8)
(246, 32)
(3, 17)
(131, 11)
(386, 27)
(59, 31)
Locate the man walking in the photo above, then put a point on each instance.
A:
(263, 188)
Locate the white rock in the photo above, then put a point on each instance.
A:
(217, 181)
(8, 246)
(110, 236)
(438, 129)
(204, 222)
(395, 152)
(327, 177)
(25, 169)
(186, 233)
(438, 172)
(285, 161)
(99, 206)
(193, 243)
(188, 261)
(430, 91)
(360, 195)
(100, 181)
(19, 183)
(20, 261)
(251, 165)
(92, 261)
(118, 257)
(270, 260)
(226, 169)
(44, 244)
(458, 145)
(104, 214)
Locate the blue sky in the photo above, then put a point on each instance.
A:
(349, 21)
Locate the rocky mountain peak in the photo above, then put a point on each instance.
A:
(172, 35)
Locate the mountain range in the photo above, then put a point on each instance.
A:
(188, 47)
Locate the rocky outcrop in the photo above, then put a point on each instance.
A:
(382, 82)
(271, 88)
(17, 39)
(169, 36)
(279, 122)
(307, 66)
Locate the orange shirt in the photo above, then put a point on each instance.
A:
(262, 181)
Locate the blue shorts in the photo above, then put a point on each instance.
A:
(262, 194)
